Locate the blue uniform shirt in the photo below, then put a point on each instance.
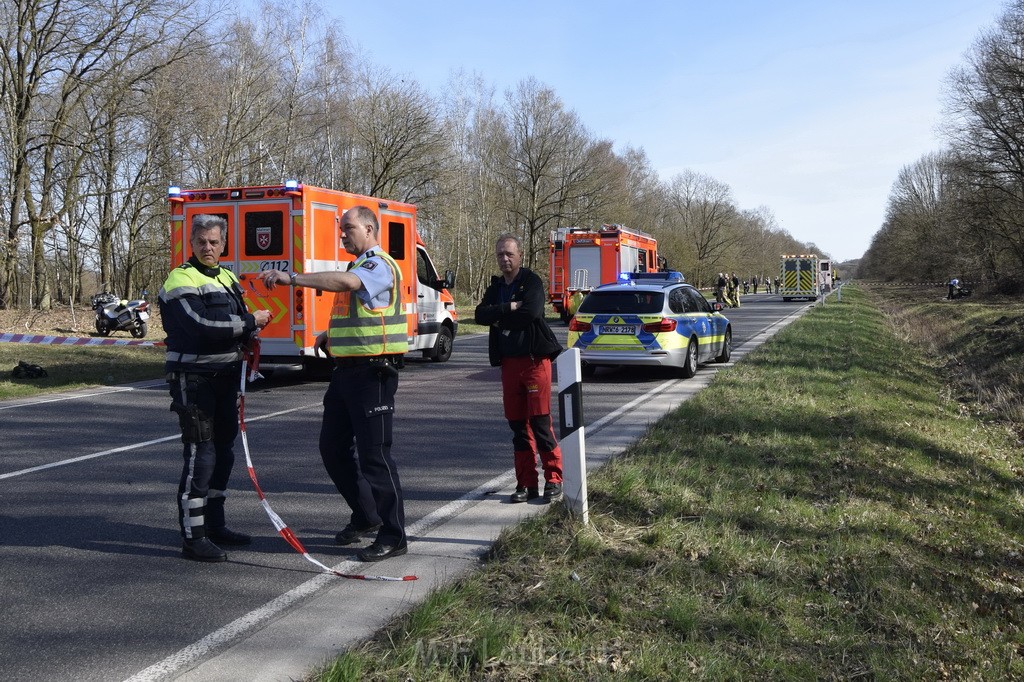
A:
(377, 279)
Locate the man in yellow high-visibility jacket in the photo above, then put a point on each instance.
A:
(367, 338)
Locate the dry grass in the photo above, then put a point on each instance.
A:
(979, 343)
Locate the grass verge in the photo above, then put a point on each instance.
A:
(71, 367)
(824, 510)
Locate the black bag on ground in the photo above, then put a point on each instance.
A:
(26, 371)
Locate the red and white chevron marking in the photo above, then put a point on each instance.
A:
(74, 340)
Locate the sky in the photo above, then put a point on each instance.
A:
(807, 108)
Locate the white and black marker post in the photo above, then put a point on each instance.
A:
(573, 442)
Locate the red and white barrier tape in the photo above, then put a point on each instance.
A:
(249, 373)
(73, 340)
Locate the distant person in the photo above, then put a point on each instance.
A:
(206, 322)
(954, 287)
(522, 344)
(735, 290)
(776, 282)
(720, 287)
(753, 280)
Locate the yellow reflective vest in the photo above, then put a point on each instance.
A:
(357, 330)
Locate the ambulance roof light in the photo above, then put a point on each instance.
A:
(291, 184)
(174, 194)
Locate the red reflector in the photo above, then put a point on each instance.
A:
(298, 307)
(577, 326)
(665, 325)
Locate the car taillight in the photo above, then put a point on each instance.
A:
(666, 324)
(577, 326)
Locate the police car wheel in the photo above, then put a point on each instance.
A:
(726, 348)
(689, 367)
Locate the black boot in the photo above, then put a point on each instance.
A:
(201, 549)
(217, 530)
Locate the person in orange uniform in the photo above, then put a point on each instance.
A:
(522, 344)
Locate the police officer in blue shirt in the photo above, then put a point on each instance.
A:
(367, 338)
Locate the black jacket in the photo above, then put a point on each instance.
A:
(521, 332)
(205, 318)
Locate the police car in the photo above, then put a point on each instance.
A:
(653, 319)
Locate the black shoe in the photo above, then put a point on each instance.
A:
(379, 551)
(350, 534)
(552, 492)
(522, 494)
(202, 550)
(228, 537)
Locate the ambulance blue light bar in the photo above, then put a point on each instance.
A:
(668, 276)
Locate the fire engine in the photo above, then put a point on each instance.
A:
(583, 258)
(295, 228)
(799, 277)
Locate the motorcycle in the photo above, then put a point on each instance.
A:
(961, 292)
(114, 314)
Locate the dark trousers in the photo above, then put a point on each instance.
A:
(207, 463)
(355, 445)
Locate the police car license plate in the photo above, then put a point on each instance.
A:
(618, 329)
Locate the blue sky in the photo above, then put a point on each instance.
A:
(807, 108)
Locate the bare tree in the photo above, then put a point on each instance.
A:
(466, 214)
(703, 220)
(986, 105)
(398, 138)
(547, 166)
(56, 56)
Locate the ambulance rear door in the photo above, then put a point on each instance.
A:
(398, 230)
(262, 243)
(323, 253)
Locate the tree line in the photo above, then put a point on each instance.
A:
(959, 211)
(105, 105)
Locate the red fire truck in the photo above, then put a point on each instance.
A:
(583, 258)
(294, 228)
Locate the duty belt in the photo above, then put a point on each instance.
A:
(365, 360)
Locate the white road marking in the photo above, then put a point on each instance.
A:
(136, 446)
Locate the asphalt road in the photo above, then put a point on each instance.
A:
(93, 586)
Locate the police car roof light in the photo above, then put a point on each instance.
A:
(669, 276)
